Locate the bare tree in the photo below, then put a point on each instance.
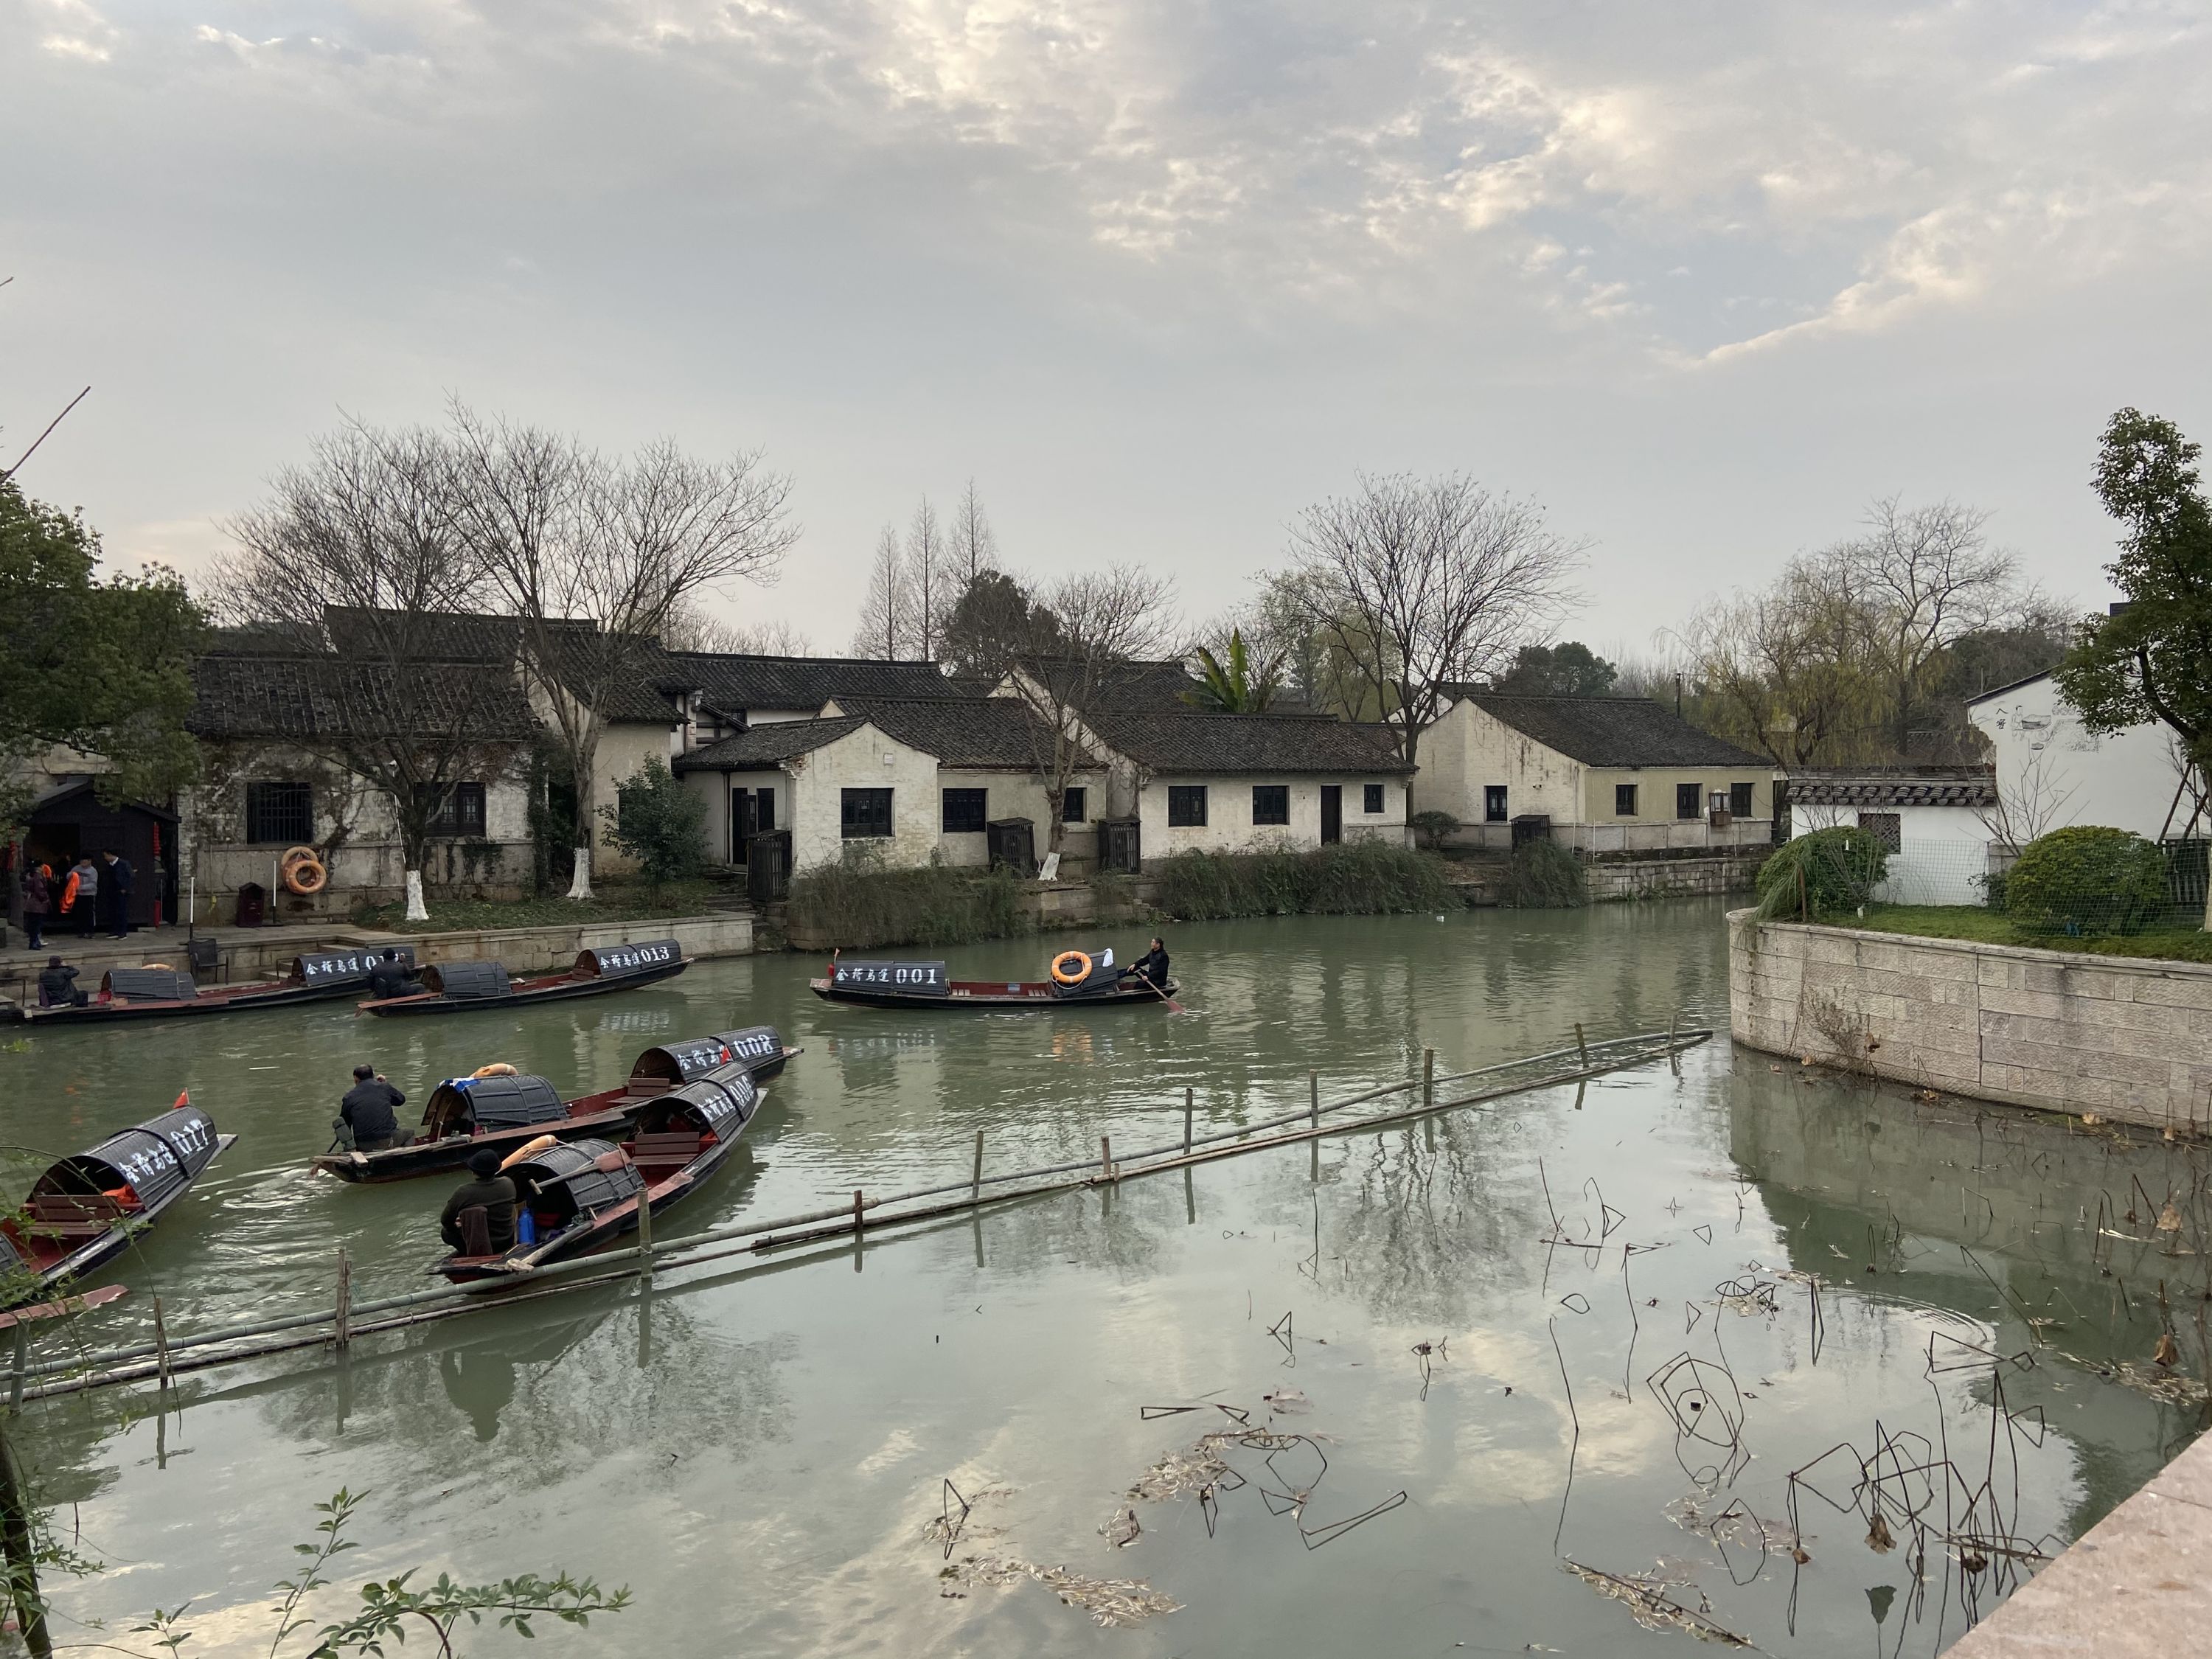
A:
(2031, 809)
(1796, 670)
(926, 579)
(971, 546)
(365, 540)
(690, 627)
(1076, 633)
(592, 556)
(886, 608)
(1422, 584)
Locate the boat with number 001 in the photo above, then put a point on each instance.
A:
(1077, 981)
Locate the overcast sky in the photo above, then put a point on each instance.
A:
(1703, 278)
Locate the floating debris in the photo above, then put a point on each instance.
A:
(1180, 1471)
(1652, 1608)
(1110, 1601)
(1286, 1401)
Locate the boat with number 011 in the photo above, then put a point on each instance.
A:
(459, 987)
(86, 1209)
(157, 991)
(1077, 981)
(574, 1197)
(502, 1108)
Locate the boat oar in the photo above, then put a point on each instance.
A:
(1161, 992)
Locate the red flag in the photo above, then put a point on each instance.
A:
(184, 1098)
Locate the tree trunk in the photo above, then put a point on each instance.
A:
(22, 1566)
(580, 886)
(582, 761)
(417, 909)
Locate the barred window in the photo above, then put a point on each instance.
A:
(1493, 803)
(455, 809)
(965, 811)
(1372, 799)
(866, 814)
(1186, 805)
(1886, 828)
(1271, 802)
(1740, 802)
(1689, 800)
(280, 812)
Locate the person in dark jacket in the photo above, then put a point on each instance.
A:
(1151, 968)
(58, 986)
(388, 978)
(38, 903)
(489, 1190)
(114, 906)
(367, 1111)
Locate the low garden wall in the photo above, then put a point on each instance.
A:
(1674, 878)
(2123, 1037)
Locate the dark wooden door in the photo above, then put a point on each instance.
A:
(1332, 814)
(744, 823)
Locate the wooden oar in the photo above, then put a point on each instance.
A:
(74, 1304)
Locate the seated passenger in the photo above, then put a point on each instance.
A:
(488, 1190)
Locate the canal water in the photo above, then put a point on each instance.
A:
(1595, 1366)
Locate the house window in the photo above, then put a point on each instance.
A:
(1186, 805)
(1886, 828)
(1493, 803)
(1739, 800)
(1271, 803)
(865, 814)
(1372, 799)
(280, 812)
(458, 809)
(1074, 806)
(965, 811)
(1689, 800)
(1624, 800)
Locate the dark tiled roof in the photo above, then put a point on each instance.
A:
(993, 732)
(767, 745)
(1123, 687)
(1192, 744)
(266, 639)
(1613, 731)
(2010, 685)
(1972, 787)
(732, 686)
(640, 685)
(358, 631)
(330, 697)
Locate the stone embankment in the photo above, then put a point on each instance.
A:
(2119, 1038)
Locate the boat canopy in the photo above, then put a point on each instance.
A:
(510, 1101)
(467, 979)
(754, 1044)
(341, 967)
(689, 1057)
(149, 985)
(923, 979)
(723, 1102)
(616, 961)
(157, 1160)
(593, 1174)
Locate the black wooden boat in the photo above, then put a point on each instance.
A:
(85, 1211)
(925, 985)
(157, 992)
(583, 1195)
(457, 986)
(509, 1110)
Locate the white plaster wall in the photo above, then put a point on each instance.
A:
(2126, 780)
(865, 759)
(1020, 795)
(623, 749)
(1470, 749)
(1229, 827)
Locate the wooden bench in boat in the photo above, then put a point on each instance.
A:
(671, 1151)
(59, 1215)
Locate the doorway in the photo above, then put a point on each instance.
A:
(1332, 814)
(752, 812)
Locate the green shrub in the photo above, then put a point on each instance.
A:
(858, 904)
(2088, 879)
(1432, 827)
(1544, 876)
(1365, 877)
(1840, 868)
(659, 821)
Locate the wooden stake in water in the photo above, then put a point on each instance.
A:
(856, 1213)
(645, 1236)
(1189, 1103)
(341, 1320)
(161, 1347)
(23, 1364)
(976, 1186)
(1428, 1077)
(1580, 1044)
(1105, 1158)
(1313, 1098)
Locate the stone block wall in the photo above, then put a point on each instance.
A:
(2127, 1038)
(1675, 877)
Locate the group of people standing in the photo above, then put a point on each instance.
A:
(95, 895)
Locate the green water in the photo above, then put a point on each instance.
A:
(757, 1448)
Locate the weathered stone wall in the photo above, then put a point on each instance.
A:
(2124, 1037)
(1631, 879)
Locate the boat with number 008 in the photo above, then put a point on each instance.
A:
(502, 1108)
(86, 1209)
(1077, 981)
(459, 987)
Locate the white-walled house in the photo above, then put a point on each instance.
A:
(1613, 775)
(1934, 820)
(2051, 771)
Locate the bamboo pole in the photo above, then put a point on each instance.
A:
(22, 1361)
(342, 1321)
(1313, 1097)
(161, 1345)
(1429, 1079)
(1190, 1104)
(975, 1182)
(645, 1237)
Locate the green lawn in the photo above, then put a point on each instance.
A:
(1974, 921)
(616, 901)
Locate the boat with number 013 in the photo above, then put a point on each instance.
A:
(157, 991)
(86, 1209)
(459, 987)
(574, 1197)
(1077, 981)
(505, 1109)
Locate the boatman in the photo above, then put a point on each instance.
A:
(1151, 968)
(388, 979)
(488, 1190)
(367, 1111)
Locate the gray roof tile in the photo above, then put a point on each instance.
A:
(1613, 731)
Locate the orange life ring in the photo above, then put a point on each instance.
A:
(303, 875)
(497, 1068)
(1060, 968)
(297, 855)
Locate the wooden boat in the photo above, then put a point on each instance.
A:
(509, 1111)
(925, 985)
(158, 992)
(582, 1195)
(457, 986)
(85, 1211)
